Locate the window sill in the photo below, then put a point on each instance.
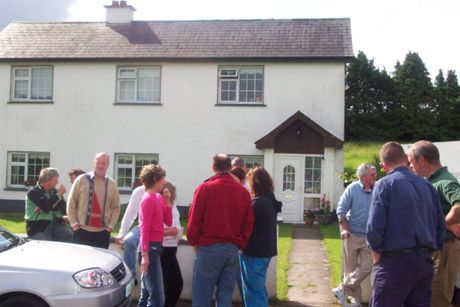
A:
(137, 104)
(30, 102)
(240, 105)
(15, 189)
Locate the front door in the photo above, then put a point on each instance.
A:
(288, 186)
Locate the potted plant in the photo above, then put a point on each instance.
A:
(308, 216)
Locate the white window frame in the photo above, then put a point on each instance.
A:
(156, 84)
(321, 160)
(131, 166)
(29, 80)
(233, 74)
(25, 164)
(252, 158)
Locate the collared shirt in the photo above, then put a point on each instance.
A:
(405, 213)
(448, 190)
(354, 204)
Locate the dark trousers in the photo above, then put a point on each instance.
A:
(403, 280)
(172, 276)
(97, 239)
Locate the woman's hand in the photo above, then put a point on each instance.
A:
(144, 262)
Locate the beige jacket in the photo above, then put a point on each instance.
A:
(77, 204)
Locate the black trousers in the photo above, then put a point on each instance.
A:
(172, 276)
(97, 239)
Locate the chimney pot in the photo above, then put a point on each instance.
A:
(123, 3)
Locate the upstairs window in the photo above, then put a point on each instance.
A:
(138, 84)
(243, 85)
(32, 83)
(24, 168)
(128, 168)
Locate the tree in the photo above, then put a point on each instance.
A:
(365, 99)
(416, 116)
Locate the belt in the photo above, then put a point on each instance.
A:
(406, 251)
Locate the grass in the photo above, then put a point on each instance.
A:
(333, 244)
(284, 248)
(356, 153)
(14, 222)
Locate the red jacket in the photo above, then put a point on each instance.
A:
(220, 212)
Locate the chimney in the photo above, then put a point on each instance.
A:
(119, 12)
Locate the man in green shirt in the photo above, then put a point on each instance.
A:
(424, 160)
(46, 208)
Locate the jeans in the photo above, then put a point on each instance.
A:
(130, 246)
(152, 290)
(254, 276)
(55, 232)
(216, 266)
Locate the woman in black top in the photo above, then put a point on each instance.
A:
(262, 243)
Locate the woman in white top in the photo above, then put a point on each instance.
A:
(172, 276)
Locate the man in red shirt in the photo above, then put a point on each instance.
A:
(220, 223)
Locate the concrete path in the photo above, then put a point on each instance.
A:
(308, 277)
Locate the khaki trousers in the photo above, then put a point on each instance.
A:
(357, 260)
(446, 267)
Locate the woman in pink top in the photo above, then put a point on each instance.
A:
(153, 214)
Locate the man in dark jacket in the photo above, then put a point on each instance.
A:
(46, 208)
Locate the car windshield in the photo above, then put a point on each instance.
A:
(9, 240)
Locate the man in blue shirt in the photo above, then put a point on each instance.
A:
(353, 211)
(405, 225)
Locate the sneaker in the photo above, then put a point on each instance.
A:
(355, 302)
(339, 295)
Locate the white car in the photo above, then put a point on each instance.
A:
(44, 273)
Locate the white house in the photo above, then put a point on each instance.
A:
(175, 93)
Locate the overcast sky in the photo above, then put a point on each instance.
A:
(385, 30)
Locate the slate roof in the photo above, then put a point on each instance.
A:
(307, 39)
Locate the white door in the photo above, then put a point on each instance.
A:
(288, 186)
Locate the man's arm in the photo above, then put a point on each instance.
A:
(44, 203)
(114, 206)
(132, 210)
(343, 208)
(195, 216)
(72, 204)
(453, 217)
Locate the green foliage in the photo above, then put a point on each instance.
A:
(404, 107)
(333, 244)
(284, 249)
(359, 152)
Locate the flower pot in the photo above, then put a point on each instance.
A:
(309, 221)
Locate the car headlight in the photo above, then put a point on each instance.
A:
(93, 278)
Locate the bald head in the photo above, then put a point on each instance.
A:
(221, 163)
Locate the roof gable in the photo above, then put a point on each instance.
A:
(271, 140)
(327, 39)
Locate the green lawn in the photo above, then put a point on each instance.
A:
(356, 153)
(333, 244)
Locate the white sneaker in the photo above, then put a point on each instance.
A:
(339, 295)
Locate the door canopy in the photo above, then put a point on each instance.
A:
(299, 135)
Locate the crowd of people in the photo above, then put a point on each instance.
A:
(403, 228)
(231, 226)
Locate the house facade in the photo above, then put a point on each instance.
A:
(175, 93)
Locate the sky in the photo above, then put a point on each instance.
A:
(384, 30)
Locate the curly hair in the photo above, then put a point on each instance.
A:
(151, 174)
